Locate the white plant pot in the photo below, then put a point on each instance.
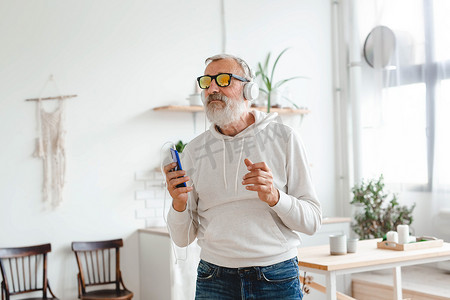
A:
(261, 101)
(275, 97)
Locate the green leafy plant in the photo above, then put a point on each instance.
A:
(180, 146)
(266, 73)
(379, 214)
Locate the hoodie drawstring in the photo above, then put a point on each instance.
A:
(224, 166)
(239, 165)
(237, 169)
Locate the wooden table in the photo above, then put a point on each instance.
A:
(368, 257)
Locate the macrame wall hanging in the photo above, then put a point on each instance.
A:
(50, 145)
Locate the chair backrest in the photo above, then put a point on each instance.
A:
(24, 270)
(98, 263)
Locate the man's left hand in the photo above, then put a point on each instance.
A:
(260, 179)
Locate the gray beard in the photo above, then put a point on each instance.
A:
(232, 112)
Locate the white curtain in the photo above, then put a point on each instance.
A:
(404, 98)
(441, 174)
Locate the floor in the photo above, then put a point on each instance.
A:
(420, 282)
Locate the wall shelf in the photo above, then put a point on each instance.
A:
(194, 109)
(185, 108)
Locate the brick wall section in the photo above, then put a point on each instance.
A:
(151, 194)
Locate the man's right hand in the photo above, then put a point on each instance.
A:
(174, 178)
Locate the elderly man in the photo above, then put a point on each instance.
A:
(248, 190)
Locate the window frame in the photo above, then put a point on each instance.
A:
(426, 73)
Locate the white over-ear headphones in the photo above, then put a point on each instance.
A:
(251, 90)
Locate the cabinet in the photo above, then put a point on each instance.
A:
(164, 277)
(166, 271)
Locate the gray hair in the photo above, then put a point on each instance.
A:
(248, 74)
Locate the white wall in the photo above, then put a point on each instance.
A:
(123, 58)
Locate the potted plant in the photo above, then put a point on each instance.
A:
(269, 87)
(376, 216)
(180, 146)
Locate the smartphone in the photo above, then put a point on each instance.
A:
(176, 158)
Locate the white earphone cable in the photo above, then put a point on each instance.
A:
(188, 207)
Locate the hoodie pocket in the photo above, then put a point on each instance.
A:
(244, 232)
(275, 230)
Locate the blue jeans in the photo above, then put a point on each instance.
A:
(278, 281)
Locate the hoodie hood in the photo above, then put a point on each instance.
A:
(261, 122)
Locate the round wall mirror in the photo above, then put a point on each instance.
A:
(379, 47)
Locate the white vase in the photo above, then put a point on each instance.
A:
(275, 97)
(261, 101)
(195, 100)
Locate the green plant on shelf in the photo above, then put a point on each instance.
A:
(269, 86)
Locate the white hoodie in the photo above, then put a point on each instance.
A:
(233, 226)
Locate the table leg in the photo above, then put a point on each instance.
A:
(398, 283)
(331, 285)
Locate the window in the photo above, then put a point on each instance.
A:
(398, 132)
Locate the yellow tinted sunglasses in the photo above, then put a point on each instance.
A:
(222, 80)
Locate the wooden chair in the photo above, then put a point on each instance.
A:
(99, 265)
(24, 270)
